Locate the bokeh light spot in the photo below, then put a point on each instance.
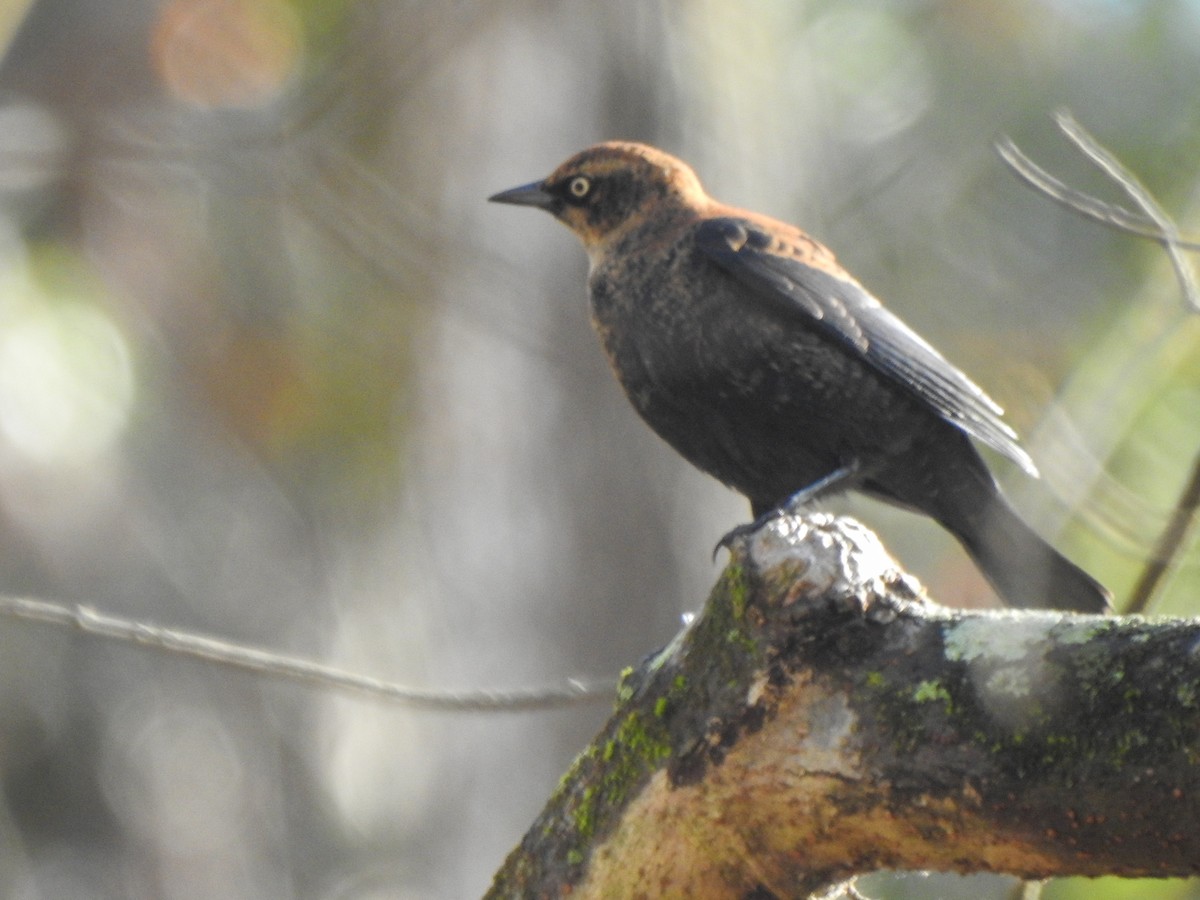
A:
(871, 70)
(226, 53)
(66, 383)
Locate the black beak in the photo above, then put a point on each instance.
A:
(533, 194)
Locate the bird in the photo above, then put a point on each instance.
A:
(743, 343)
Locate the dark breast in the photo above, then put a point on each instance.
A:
(761, 402)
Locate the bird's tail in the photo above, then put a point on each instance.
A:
(1024, 569)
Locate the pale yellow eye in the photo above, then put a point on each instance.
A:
(579, 187)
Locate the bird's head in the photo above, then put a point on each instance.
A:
(601, 192)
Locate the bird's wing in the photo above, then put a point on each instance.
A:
(788, 276)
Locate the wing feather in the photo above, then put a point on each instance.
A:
(780, 274)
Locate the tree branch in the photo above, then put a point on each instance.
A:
(277, 665)
(821, 720)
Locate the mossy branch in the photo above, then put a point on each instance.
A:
(821, 720)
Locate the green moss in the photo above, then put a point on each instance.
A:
(1080, 632)
(1132, 699)
(1186, 695)
(1059, 748)
(625, 686)
(634, 752)
(741, 640)
(934, 691)
(725, 639)
(640, 741)
(876, 680)
(583, 815)
(930, 690)
(1125, 744)
(737, 589)
(646, 744)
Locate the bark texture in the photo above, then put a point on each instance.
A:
(820, 719)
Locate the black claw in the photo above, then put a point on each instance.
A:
(745, 530)
(792, 505)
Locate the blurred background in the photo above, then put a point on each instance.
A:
(271, 368)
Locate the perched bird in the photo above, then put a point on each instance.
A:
(745, 345)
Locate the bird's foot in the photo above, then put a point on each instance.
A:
(745, 530)
(791, 506)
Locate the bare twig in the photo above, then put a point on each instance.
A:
(1152, 223)
(1112, 167)
(1170, 542)
(265, 662)
(1090, 207)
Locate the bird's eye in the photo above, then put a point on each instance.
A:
(578, 187)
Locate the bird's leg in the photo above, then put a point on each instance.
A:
(792, 505)
(822, 485)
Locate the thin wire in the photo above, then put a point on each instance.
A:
(275, 665)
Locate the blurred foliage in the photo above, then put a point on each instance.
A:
(269, 366)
